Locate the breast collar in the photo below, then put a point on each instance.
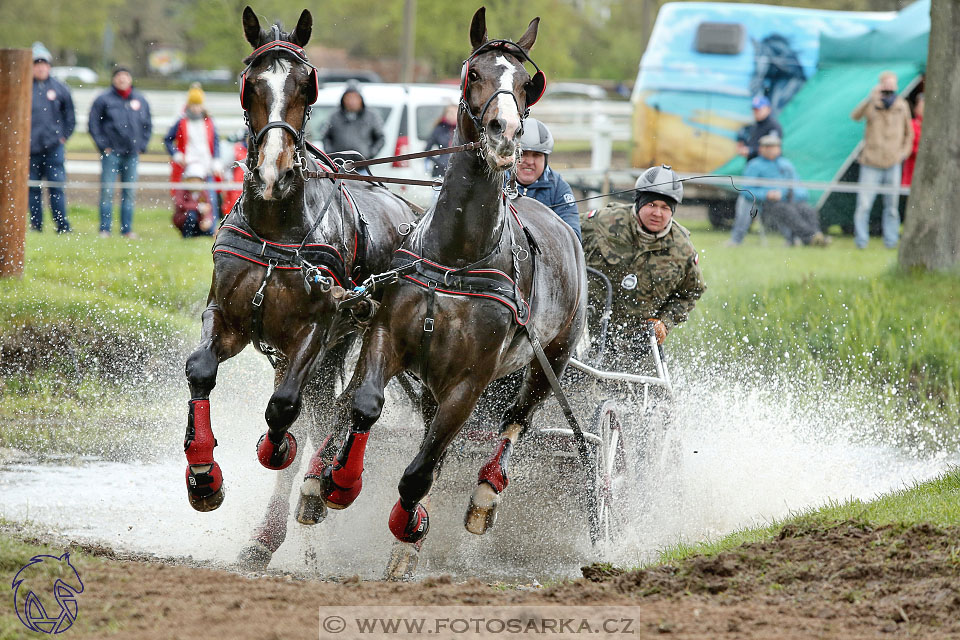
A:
(475, 280)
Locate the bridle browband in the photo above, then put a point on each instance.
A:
(534, 92)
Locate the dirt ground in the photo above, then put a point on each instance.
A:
(849, 580)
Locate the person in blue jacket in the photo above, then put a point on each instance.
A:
(52, 120)
(784, 208)
(535, 179)
(120, 125)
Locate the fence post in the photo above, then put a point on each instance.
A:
(16, 91)
(601, 155)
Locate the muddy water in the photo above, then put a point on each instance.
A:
(747, 457)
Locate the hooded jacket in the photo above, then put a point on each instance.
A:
(357, 131)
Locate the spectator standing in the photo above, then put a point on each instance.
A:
(120, 125)
(442, 138)
(748, 138)
(52, 122)
(887, 141)
(917, 122)
(786, 209)
(192, 141)
(353, 126)
(535, 179)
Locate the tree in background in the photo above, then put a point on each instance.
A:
(931, 235)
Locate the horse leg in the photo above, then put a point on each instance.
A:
(203, 475)
(405, 556)
(409, 521)
(277, 448)
(493, 478)
(336, 483)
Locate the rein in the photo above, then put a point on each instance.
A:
(347, 167)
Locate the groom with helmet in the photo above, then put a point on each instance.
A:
(648, 256)
(535, 178)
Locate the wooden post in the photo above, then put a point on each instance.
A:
(16, 91)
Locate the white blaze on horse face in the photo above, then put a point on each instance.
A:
(276, 79)
(506, 105)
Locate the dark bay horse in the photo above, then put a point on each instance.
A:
(495, 274)
(278, 254)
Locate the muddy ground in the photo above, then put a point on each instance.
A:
(847, 580)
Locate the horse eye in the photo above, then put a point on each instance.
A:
(474, 75)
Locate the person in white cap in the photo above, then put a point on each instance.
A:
(52, 121)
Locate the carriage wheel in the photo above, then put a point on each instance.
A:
(609, 474)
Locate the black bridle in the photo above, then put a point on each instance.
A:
(300, 56)
(538, 82)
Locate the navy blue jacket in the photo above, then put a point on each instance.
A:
(121, 124)
(553, 191)
(52, 115)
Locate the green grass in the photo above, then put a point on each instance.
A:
(90, 318)
(839, 313)
(936, 502)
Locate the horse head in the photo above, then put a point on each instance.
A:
(496, 91)
(276, 91)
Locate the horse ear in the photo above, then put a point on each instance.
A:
(530, 36)
(478, 28)
(301, 35)
(251, 27)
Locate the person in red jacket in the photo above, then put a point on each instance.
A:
(193, 141)
(917, 123)
(193, 212)
(229, 198)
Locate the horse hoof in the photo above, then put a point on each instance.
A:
(337, 497)
(482, 512)
(204, 486)
(277, 457)
(254, 556)
(404, 558)
(409, 526)
(311, 508)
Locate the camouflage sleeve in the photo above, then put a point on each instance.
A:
(588, 230)
(678, 307)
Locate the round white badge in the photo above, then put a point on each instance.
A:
(135, 105)
(629, 282)
(51, 95)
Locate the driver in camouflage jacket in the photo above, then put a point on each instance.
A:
(653, 266)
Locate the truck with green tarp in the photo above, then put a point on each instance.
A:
(705, 62)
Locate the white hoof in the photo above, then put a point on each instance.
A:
(404, 557)
(254, 556)
(482, 512)
(311, 508)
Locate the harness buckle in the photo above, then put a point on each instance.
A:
(257, 298)
(428, 325)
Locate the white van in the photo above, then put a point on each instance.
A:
(409, 113)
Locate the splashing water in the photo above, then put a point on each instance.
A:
(749, 450)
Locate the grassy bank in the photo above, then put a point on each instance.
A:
(837, 314)
(934, 502)
(92, 320)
